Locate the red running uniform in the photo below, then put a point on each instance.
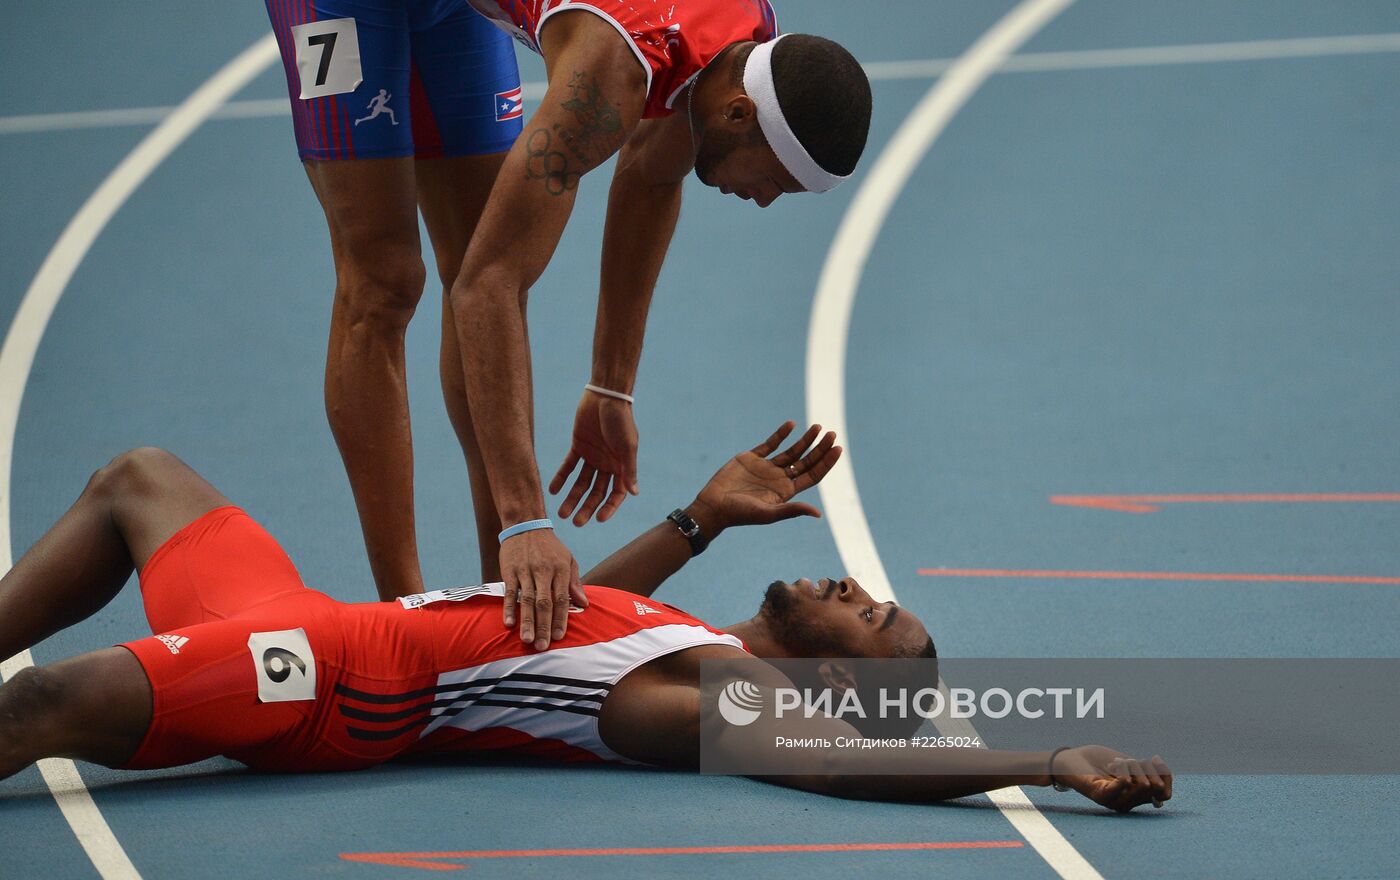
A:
(251, 664)
(673, 39)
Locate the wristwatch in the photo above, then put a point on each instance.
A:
(691, 529)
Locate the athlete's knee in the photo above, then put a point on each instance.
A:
(481, 282)
(133, 472)
(29, 702)
(386, 290)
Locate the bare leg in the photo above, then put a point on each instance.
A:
(95, 707)
(452, 193)
(372, 215)
(128, 509)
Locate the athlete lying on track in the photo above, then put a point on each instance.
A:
(251, 664)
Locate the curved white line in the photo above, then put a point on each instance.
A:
(830, 325)
(17, 358)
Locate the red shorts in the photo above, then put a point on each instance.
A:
(247, 662)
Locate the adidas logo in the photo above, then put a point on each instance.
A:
(643, 610)
(174, 643)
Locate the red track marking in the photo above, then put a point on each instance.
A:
(1151, 503)
(415, 859)
(1156, 576)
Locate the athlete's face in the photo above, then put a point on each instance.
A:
(743, 165)
(837, 618)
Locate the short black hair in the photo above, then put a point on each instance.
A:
(825, 98)
(911, 676)
(927, 652)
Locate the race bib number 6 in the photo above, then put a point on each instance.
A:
(328, 57)
(284, 664)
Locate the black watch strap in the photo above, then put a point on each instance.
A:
(691, 529)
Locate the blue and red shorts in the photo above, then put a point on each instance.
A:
(387, 78)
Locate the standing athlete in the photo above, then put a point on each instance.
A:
(249, 663)
(703, 85)
(669, 86)
(442, 90)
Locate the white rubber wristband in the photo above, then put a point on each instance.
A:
(608, 392)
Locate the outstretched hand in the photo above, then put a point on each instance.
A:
(1113, 779)
(605, 442)
(753, 489)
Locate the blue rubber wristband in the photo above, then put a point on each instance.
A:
(528, 526)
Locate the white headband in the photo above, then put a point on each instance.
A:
(758, 83)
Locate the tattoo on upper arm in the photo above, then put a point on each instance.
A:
(600, 123)
(561, 154)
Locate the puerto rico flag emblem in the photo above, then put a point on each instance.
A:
(509, 105)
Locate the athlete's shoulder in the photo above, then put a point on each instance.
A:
(653, 715)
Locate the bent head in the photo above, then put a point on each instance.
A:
(793, 116)
(837, 618)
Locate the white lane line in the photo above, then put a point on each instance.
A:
(922, 68)
(38, 122)
(1148, 56)
(17, 358)
(827, 339)
(1204, 53)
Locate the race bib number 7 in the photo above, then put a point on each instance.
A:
(284, 664)
(328, 57)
